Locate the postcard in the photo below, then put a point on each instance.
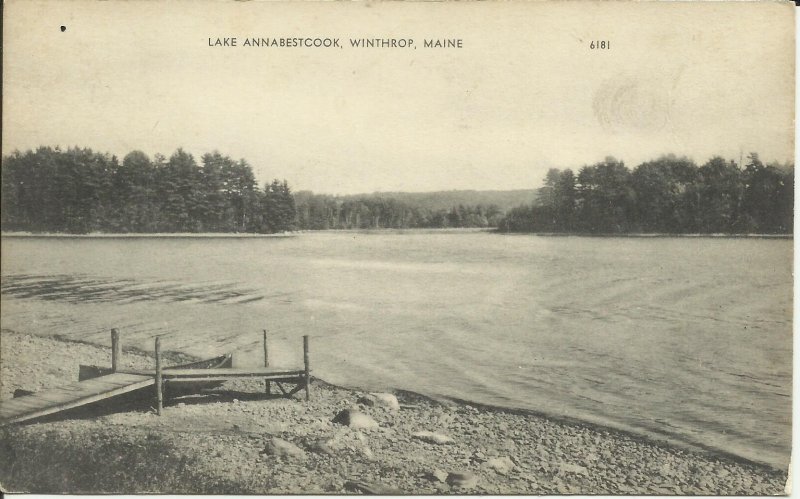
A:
(519, 247)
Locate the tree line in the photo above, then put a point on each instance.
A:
(79, 191)
(668, 195)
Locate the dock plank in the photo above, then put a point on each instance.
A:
(231, 373)
(69, 396)
(279, 378)
(225, 372)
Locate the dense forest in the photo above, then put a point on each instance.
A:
(80, 191)
(668, 195)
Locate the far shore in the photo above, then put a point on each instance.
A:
(144, 235)
(493, 230)
(649, 235)
(224, 442)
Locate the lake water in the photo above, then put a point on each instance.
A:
(680, 339)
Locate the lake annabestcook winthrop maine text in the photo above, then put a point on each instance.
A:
(326, 42)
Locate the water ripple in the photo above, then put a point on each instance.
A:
(82, 289)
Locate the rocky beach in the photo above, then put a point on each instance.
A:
(237, 440)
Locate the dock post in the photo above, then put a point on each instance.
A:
(267, 388)
(115, 350)
(159, 394)
(307, 363)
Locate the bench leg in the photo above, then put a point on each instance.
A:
(307, 365)
(280, 386)
(299, 386)
(159, 378)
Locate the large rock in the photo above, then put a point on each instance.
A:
(281, 448)
(433, 438)
(385, 400)
(355, 419)
(502, 465)
(438, 475)
(462, 479)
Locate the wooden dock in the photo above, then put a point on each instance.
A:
(121, 381)
(69, 396)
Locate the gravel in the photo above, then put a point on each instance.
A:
(215, 443)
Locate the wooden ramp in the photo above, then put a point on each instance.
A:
(72, 395)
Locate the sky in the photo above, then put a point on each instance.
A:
(524, 94)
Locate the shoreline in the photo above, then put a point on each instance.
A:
(144, 235)
(648, 235)
(547, 455)
(177, 357)
(238, 235)
(491, 230)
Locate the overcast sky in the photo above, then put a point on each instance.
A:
(524, 94)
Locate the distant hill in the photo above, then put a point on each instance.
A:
(444, 200)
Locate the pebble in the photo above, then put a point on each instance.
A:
(355, 419)
(572, 468)
(372, 488)
(385, 400)
(367, 453)
(281, 448)
(508, 444)
(439, 475)
(322, 446)
(433, 438)
(502, 465)
(442, 487)
(462, 479)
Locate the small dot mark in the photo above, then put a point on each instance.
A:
(63, 29)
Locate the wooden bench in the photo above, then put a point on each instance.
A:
(301, 377)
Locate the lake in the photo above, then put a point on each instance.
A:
(687, 340)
